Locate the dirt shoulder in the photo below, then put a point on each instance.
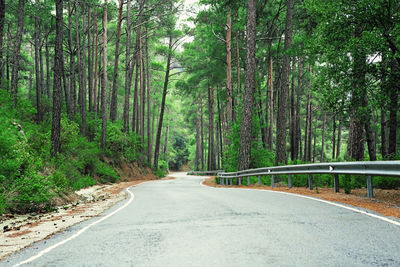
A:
(20, 231)
(385, 202)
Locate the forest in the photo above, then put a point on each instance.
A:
(207, 85)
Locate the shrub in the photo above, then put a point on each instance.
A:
(106, 172)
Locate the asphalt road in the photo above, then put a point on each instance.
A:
(183, 223)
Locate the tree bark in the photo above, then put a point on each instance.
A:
(197, 158)
(333, 136)
(17, 54)
(271, 105)
(293, 117)
(355, 147)
(238, 85)
(229, 72)
(339, 139)
(149, 132)
(393, 109)
(96, 68)
(211, 145)
(41, 68)
(83, 72)
(90, 49)
(283, 93)
(164, 95)
(384, 150)
(72, 82)
(323, 138)
(202, 133)
(297, 140)
(47, 66)
(58, 74)
(128, 78)
(114, 95)
(37, 72)
(248, 98)
(307, 137)
(2, 22)
(104, 83)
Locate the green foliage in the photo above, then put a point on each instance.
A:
(180, 155)
(162, 169)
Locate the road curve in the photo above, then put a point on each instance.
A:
(183, 223)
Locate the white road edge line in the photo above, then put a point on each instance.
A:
(47, 250)
(316, 199)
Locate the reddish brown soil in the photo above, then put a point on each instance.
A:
(386, 202)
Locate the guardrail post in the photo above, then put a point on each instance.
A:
(230, 181)
(221, 181)
(239, 181)
(272, 181)
(336, 182)
(369, 187)
(290, 181)
(248, 180)
(259, 180)
(310, 185)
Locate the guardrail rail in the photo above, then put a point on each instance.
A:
(204, 172)
(366, 168)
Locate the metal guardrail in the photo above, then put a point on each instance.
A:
(366, 168)
(204, 172)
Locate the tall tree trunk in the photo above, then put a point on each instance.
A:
(370, 141)
(211, 145)
(293, 117)
(202, 133)
(17, 54)
(384, 150)
(47, 66)
(166, 146)
(83, 71)
(30, 75)
(297, 140)
(149, 132)
(323, 139)
(263, 126)
(58, 74)
(90, 49)
(8, 56)
(237, 72)
(135, 99)
(339, 139)
(283, 93)
(96, 68)
(128, 79)
(114, 95)
(315, 142)
(104, 83)
(221, 150)
(41, 67)
(197, 158)
(248, 97)
(229, 71)
(307, 134)
(271, 105)
(393, 108)
(2, 22)
(142, 90)
(37, 72)
(355, 147)
(72, 82)
(164, 95)
(333, 136)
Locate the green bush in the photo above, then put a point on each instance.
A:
(32, 194)
(106, 173)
